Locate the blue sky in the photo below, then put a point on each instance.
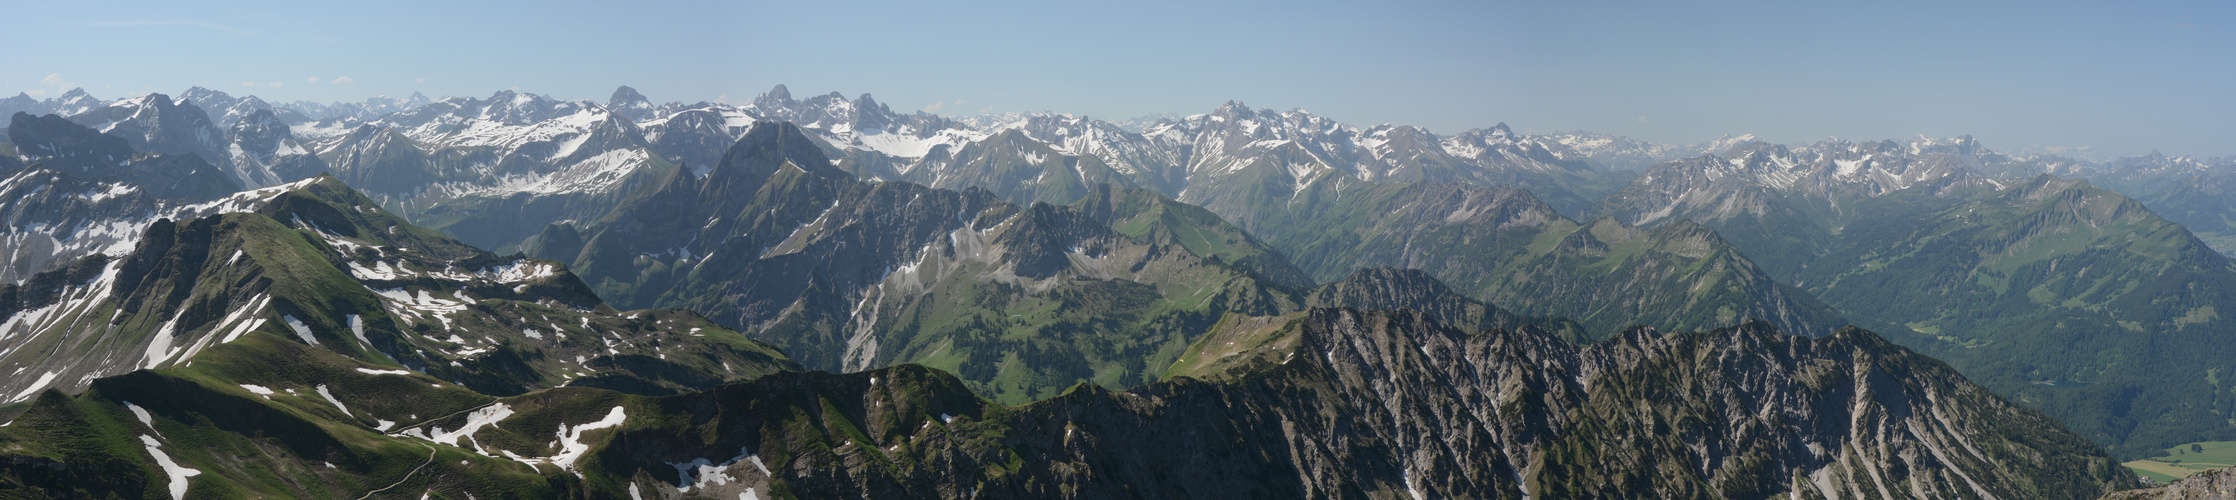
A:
(2121, 79)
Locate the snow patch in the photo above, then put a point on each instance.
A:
(357, 327)
(571, 446)
(34, 388)
(330, 399)
(142, 414)
(173, 470)
(300, 330)
(485, 416)
(1410, 487)
(701, 472)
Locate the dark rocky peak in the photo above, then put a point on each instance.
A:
(1690, 239)
(1587, 242)
(768, 147)
(1395, 289)
(21, 103)
(517, 108)
(254, 102)
(1040, 239)
(61, 141)
(260, 131)
(869, 115)
(625, 95)
(160, 101)
(155, 123)
(364, 131)
(59, 144)
(73, 102)
(1385, 282)
(1233, 108)
(205, 96)
(834, 112)
(778, 97)
(629, 104)
(1500, 132)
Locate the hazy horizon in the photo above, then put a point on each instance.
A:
(2118, 80)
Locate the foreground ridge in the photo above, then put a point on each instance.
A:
(1328, 403)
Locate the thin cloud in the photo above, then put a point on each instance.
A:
(248, 84)
(35, 92)
(422, 80)
(138, 23)
(344, 80)
(55, 80)
(934, 108)
(312, 80)
(274, 84)
(1643, 119)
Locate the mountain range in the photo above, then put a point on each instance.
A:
(1037, 305)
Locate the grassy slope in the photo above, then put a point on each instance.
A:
(2182, 460)
(294, 443)
(2063, 296)
(1520, 255)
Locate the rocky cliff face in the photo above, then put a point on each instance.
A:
(81, 192)
(1344, 404)
(154, 123)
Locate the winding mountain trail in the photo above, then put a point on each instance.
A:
(407, 475)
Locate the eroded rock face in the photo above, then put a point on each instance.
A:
(1345, 404)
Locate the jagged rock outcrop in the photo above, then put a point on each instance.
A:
(1337, 403)
(2218, 484)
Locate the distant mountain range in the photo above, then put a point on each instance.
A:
(580, 298)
